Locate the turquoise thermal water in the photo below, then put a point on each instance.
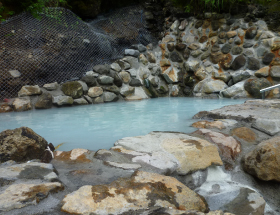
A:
(100, 126)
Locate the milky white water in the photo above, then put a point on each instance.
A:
(100, 126)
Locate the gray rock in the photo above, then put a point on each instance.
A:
(109, 97)
(215, 48)
(127, 90)
(44, 101)
(247, 44)
(133, 62)
(268, 58)
(268, 126)
(135, 82)
(248, 53)
(85, 87)
(226, 48)
(90, 78)
(89, 100)
(95, 92)
(253, 63)
(125, 76)
(132, 52)
(124, 65)
(236, 50)
(14, 73)
(236, 90)
(261, 51)
(62, 100)
(251, 33)
(238, 62)
(117, 80)
(241, 75)
(175, 57)
(253, 86)
(116, 67)
(204, 56)
(196, 53)
(275, 71)
(237, 41)
(106, 80)
(141, 48)
(51, 86)
(113, 89)
(98, 100)
(192, 65)
(80, 101)
(102, 69)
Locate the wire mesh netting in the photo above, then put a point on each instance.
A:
(59, 46)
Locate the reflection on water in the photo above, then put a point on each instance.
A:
(99, 126)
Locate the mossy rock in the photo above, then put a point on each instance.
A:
(73, 89)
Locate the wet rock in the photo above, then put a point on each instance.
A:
(238, 62)
(44, 101)
(253, 63)
(244, 133)
(22, 104)
(268, 58)
(21, 144)
(263, 161)
(101, 69)
(263, 72)
(51, 86)
(22, 195)
(135, 82)
(176, 148)
(152, 190)
(109, 97)
(253, 86)
(29, 91)
(139, 94)
(73, 89)
(62, 100)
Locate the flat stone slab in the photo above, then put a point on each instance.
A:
(177, 150)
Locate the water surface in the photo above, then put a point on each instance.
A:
(100, 126)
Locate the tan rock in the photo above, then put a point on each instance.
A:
(231, 34)
(22, 104)
(244, 133)
(165, 64)
(29, 91)
(21, 195)
(228, 146)
(125, 76)
(206, 124)
(168, 39)
(189, 153)
(171, 75)
(76, 155)
(143, 59)
(4, 108)
(263, 72)
(95, 92)
(141, 191)
(264, 161)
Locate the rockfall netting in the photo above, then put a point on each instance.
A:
(59, 46)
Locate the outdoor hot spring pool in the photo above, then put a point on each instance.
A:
(100, 126)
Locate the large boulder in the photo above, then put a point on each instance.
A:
(141, 191)
(21, 144)
(187, 153)
(22, 104)
(29, 91)
(264, 161)
(209, 85)
(73, 89)
(253, 86)
(236, 90)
